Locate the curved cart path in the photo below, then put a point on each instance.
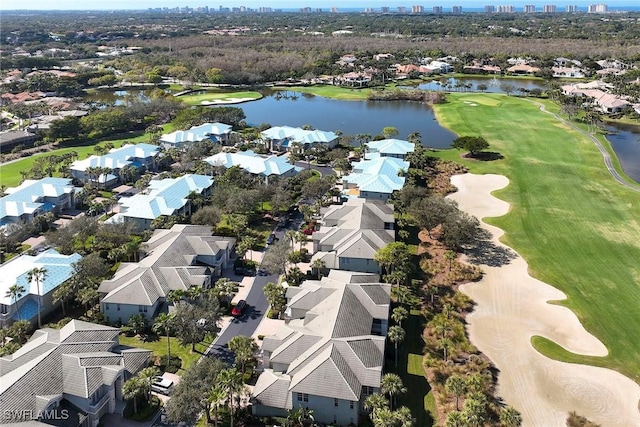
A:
(511, 308)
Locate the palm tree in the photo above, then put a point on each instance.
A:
(455, 419)
(450, 256)
(510, 417)
(399, 314)
(38, 275)
(396, 335)
(374, 402)
(231, 381)
(243, 347)
(457, 386)
(216, 397)
(317, 265)
(132, 389)
(403, 417)
(391, 384)
(146, 377)
(164, 323)
(15, 292)
(384, 418)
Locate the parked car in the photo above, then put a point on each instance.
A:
(239, 308)
(271, 239)
(162, 385)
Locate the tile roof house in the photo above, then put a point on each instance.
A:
(377, 178)
(284, 137)
(141, 156)
(605, 102)
(169, 196)
(178, 258)
(389, 148)
(35, 197)
(351, 233)
(256, 164)
(59, 268)
(216, 132)
(328, 356)
(523, 69)
(76, 373)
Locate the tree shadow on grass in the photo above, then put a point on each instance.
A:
(488, 253)
(486, 156)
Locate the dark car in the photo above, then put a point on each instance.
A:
(239, 308)
(271, 239)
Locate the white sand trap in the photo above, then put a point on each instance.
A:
(511, 308)
(473, 104)
(226, 101)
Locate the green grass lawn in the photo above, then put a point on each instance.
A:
(196, 98)
(159, 348)
(330, 91)
(411, 371)
(573, 223)
(10, 173)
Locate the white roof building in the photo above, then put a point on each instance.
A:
(254, 163)
(217, 132)
(377, 178)
(282, 137)
(34, 197)
(162, 197)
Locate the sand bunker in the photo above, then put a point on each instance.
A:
(227, 101)
(511, 308)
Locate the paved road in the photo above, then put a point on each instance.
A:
(324, 170)
(247, 323)
(605, 154)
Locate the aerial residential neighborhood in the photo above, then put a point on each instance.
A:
(385, 216)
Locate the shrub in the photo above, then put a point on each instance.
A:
(145, 409)
(174, 365)
(260, 337)
(273, 314)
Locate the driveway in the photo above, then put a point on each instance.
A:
(324, 170)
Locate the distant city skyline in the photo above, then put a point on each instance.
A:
(281, 4)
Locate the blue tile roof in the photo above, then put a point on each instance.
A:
(59, 268)
(28, 197)
(164, 197)
(253, 163)
(196, 133)
(118, 157)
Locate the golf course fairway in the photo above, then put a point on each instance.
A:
(571, 221)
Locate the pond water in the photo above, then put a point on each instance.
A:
(117, 97)
(470, 84)
(625, 141)
(350, 117)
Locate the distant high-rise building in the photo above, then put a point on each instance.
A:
(529, 8)
(437, 9)
(489, 9)
(417, 9)
(456, 10)
(571, 8)
(384, 9)
(305, 10)
(597, 8)
(506, 8)
(318, 10)
(549, 8)
(401, 9)
(334, 10)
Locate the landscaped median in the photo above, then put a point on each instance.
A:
(572, 222)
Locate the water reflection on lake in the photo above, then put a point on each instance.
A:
(350, 117)
(470, 84)
(625, 141)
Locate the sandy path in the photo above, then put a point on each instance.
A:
(511, 308)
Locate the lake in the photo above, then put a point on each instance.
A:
(349, 117)
(625, 141)
(470, 84)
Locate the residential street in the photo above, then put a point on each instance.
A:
(247, 323)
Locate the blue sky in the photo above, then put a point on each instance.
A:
(326, 4)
